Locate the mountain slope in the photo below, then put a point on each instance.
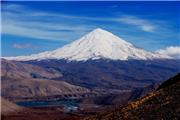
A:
(15, 69)
(95, 45)
(20, 80)
(8, 107)
(162, 104)
(34, 88)
(100, 73)
(170, 81)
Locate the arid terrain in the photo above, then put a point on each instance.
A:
(163, 103)
(93, 60)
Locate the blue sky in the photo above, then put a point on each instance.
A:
(33, 27)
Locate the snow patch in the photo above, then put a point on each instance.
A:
(95, 45)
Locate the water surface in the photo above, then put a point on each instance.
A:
(69, 105)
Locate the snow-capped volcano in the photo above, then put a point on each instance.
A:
(95, 45)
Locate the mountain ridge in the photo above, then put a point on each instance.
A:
(21, 80)
(161, 104)
(97, 44)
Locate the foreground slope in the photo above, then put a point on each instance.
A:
(162, 104)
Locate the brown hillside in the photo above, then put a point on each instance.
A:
(160, 105)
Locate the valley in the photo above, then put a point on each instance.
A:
(159, 104)
(87, 77)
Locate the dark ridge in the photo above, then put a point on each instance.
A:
(170, 81)
(162, 104)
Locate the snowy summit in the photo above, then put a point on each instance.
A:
(95, 45)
